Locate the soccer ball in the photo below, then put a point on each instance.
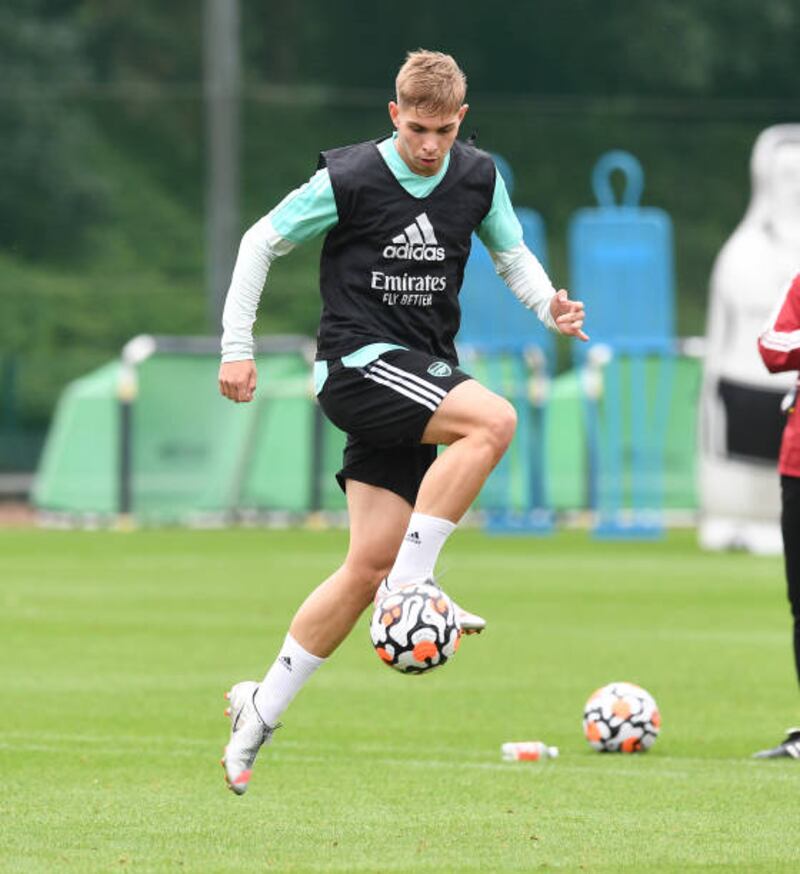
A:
(415, 629)
(621, 717)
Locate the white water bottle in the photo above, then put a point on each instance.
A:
(527, 751)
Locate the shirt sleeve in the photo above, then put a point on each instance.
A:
(521, 271)
(779, 342)
(308, 211)
(260, 245)
(303, 214)
(517, 266)
(500, 230)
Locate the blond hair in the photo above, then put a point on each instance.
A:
(431, 82)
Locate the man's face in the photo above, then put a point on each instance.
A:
(424, 140)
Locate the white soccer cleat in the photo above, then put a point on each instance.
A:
(249, 733)
(470, 623)
(789, 748)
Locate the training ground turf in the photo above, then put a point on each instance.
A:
(117, 648)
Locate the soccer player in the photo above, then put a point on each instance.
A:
(779, 345)
(399, 214)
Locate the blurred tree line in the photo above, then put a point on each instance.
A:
(101, 112)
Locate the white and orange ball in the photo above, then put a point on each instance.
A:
(621, 717)
(415, 628)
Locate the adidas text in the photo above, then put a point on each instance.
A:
(417, 243)
(407, 252)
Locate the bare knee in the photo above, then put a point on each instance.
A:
(365, 575)
(498, 427)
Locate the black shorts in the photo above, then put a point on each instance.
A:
(384, 406)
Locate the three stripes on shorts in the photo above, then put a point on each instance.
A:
(408, 384)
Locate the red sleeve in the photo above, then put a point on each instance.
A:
(779, 343)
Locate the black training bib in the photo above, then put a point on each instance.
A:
(392, 267)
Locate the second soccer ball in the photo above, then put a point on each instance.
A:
(621, 717)
(415, 628)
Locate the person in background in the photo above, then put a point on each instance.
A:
(779, 345)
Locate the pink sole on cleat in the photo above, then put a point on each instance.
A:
(243, 779)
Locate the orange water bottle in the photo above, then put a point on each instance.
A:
(527, 751)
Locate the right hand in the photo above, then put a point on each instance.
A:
(237, 380)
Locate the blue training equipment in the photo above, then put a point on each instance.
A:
(511, 352)
(621, 266)
(492, 319)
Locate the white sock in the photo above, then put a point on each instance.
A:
(420, 549)
(289, 673)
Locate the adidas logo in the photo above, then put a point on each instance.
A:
(286, 662)
(417, 243)
(413, 537)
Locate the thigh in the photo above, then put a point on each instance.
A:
(468, 406)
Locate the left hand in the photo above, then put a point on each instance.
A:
(568, 315)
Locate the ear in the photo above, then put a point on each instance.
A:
(394, 112)
(462, 112)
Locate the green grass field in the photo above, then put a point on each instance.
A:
(116, 650)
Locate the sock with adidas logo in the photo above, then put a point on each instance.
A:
(425, 537)
(288, 674)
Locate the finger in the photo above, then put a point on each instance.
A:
(230, 390)
(248, 389)
(572, 327)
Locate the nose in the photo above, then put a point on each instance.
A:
(429, 146)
